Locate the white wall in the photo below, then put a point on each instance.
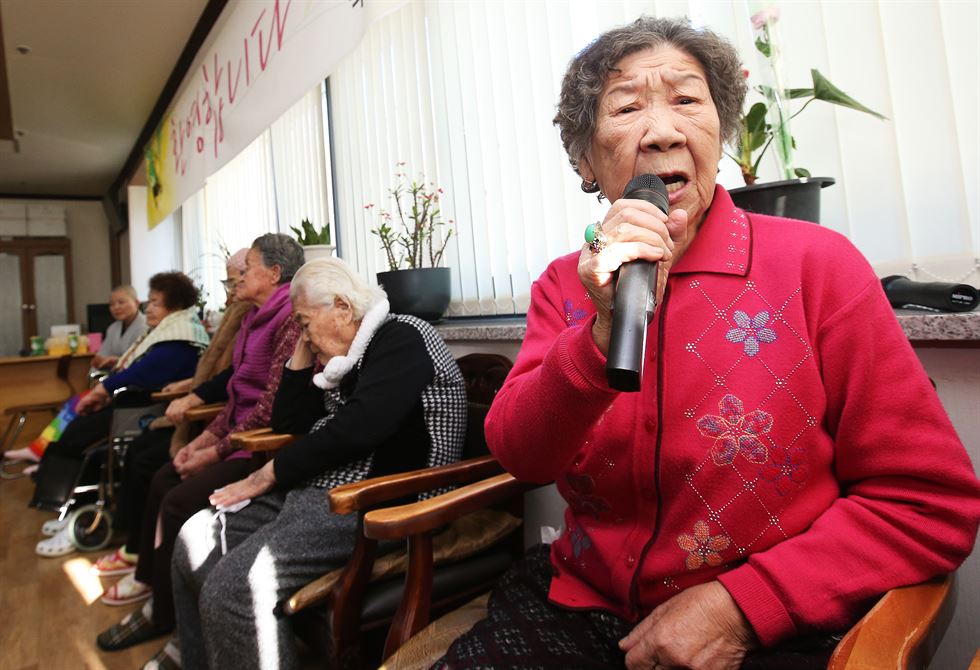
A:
(150, 251)
(957, 376)
(88, 230)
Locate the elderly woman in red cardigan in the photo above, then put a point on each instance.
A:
(786, 460)
(265, 340)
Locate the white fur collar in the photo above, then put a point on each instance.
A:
(338, 366)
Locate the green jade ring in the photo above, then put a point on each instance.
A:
(590, 233)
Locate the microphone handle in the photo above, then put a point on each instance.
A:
(633, 310)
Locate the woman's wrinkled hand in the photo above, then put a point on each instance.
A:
(700, 627)
(183, 386)
(303, 356)
(256, 484)
(178, 408)
(93, 401)
(634, 230)
(195, 461)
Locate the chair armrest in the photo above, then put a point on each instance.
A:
(393, 523)
(348, 498)
(167, 396)
(204, 412)
(260, 439)
(901, 631)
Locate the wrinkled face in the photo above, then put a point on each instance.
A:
(656, 115)
(329, 329)
(233, 284)
(122, 307)
(259, 280)
(156, 309)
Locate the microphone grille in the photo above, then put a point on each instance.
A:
(648, 182)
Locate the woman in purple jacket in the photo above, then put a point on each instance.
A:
(267, 338)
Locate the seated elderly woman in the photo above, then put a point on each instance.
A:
(167, 352)
(769, 479)
(128, 326)
(178, 489)
(390, 398)
(155, 447)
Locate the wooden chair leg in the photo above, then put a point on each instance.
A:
(348, 597)
(413, 611)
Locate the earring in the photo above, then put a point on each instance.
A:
(590, 186)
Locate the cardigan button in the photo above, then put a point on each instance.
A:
(651, 425)
(630, 560)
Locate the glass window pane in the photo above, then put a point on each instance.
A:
(50, 292)
(12, 321)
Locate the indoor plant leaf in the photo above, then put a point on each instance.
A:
(824, 90)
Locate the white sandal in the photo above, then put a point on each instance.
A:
(53, 527)
(59, 545)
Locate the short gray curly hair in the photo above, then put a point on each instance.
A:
(281, 250)
(588, 70)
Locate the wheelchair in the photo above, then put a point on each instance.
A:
(90, 522)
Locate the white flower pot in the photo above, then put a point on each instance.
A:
(319, 251)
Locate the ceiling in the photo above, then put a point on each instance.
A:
(85, 90)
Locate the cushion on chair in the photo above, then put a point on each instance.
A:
(462, 538)
(429, 644)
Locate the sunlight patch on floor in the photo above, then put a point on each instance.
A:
(85, 581)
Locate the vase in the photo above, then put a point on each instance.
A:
(792, 199)
(313, 251)
(421, 292)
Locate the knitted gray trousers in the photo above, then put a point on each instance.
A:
(224, 603)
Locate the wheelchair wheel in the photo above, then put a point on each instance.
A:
(90, 528)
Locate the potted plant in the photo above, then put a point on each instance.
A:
(316, 243)
(767, 124)
(413, 234)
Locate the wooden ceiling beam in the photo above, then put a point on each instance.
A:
(6, 109)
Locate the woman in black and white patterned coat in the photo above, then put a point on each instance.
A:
(392, 399)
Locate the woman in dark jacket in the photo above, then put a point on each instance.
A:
(167, 351)
(390, 398)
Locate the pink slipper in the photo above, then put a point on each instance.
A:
(113, 564)
(127, 590)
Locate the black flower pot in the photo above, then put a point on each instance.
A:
(422, 292)
(793, 199)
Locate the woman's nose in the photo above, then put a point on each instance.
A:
(661, 133)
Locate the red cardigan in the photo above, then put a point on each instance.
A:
(786, 442)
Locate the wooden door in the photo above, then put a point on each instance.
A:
(35, 274)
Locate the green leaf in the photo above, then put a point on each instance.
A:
(755, 120)
(764, 47)
(794, 93)
(824, 90)
(801, 172)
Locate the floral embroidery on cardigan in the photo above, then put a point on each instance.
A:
(751, 331)
(736, 432)
(702, 546)
(581, 497)
(573, 316)
(786, 468)
(580, 542)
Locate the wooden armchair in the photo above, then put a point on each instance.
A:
(362, 597)
(901, 631)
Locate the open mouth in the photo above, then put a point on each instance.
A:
(673, 182)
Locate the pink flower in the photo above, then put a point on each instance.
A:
(702, 546)
(745, 73)
(736, 432)
(768, 15)
(369, 205)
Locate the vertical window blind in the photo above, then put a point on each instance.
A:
(278, 180)
(464, 93)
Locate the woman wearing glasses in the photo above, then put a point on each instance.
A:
(180, 488)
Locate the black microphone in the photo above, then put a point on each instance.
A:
(903, 292)
(635, 300)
